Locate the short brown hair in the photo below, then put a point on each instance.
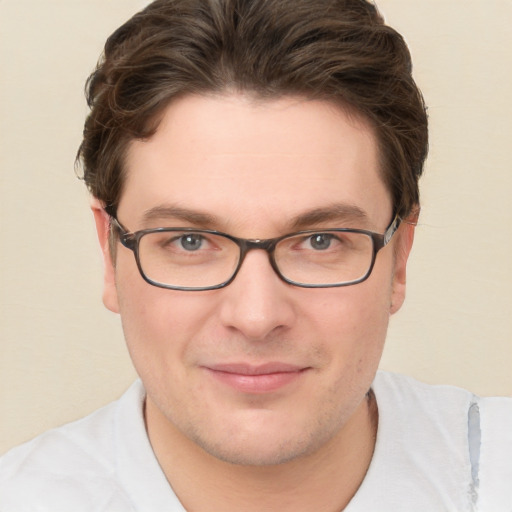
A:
(335, 50)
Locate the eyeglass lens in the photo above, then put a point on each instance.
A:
(197, 259)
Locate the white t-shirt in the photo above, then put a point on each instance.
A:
(439, 448)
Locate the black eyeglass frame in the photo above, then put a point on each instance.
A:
(131, 240)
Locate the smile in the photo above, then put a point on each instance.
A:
(265, 378)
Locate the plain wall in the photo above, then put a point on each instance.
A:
(62, 354)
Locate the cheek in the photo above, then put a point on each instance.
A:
(155, 321)
(355, 311)
(162, 327)
(353, 322)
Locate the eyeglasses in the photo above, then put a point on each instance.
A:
(201, 259)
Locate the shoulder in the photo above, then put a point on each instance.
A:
(406, 395)
(396, 385)
(454, 442)
(449, 409)
(73, 464)
(494, 438)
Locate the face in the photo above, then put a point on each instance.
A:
(259, 372)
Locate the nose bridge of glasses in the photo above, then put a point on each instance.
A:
(257, 243)
(251, 244)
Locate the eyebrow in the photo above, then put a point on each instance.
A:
(341, 213)
(165, 212)
(345, 215)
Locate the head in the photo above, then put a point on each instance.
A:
(338, 51)
(255, 118)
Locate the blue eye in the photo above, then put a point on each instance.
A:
(191, 241)
(321, 241)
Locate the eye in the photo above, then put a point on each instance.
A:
(191, 241)
(182, 242)
(320, 241)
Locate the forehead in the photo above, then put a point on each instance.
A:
(245, 161)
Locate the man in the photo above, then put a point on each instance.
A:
(254, 170)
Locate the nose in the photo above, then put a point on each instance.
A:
(257, 303)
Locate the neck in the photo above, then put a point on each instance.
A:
(325, 480)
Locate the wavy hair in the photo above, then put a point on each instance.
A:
(335, 50)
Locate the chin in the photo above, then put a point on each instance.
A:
(257, 456)
(262, 446)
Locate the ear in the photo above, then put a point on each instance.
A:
(102, 221)
(403, 247)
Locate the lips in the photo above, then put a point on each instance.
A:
(263, 378)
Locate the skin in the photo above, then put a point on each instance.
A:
(257, 170)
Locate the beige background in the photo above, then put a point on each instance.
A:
(62, 354)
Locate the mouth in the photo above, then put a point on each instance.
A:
(257, 379)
